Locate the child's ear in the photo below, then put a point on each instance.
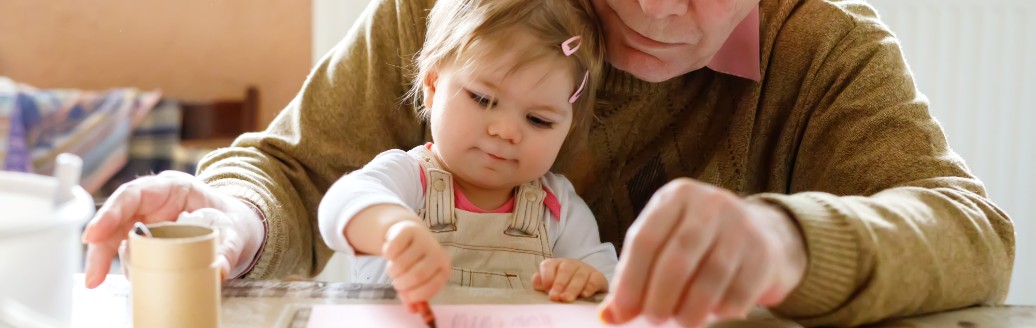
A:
(429, 88)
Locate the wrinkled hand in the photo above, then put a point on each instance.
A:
(698, 251)
(233, 243)
(418, 265)
(162, 198)
(565, 279)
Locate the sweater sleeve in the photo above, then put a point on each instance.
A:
(576, 231)
(349, 109)
(391, 178)
(893, 222)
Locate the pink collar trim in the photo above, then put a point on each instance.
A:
(463, 203)
(739, 55)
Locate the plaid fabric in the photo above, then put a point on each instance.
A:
(37, 125)
(155, 147)
(154, 140)
(152, 146)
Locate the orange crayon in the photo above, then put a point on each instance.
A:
(426, 313)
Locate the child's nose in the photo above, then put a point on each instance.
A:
(505, 128)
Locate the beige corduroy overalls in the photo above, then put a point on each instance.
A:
(501, 250)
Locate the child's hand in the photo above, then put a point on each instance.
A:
(567, 279)
(418, 265)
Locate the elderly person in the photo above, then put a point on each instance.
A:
(744, 152)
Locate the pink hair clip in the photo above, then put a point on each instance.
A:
(568, 49)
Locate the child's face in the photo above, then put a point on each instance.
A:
(516, 140)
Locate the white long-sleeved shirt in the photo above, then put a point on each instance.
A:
(394, 177)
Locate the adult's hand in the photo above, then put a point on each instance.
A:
(698, 251)
(162, 198)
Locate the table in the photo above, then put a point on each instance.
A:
(286, 304)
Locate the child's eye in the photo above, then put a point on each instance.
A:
(482, 100)
(539, 122)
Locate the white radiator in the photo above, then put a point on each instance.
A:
(976, 62)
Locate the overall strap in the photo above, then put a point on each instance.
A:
(528, 210)
(438, 207)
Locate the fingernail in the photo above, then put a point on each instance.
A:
(658, 321)
(712, 318)
(224, 266)
(607, 316)
(92, 282)
(85, 233)
(733, 315)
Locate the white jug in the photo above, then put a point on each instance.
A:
(41, 218)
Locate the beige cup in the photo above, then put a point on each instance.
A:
(174, 276)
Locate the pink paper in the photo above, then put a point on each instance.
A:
(468, 315)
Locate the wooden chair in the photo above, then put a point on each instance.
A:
(221, 119)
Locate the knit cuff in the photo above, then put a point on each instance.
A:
(832, 251)
(264, 259)
(262, 244)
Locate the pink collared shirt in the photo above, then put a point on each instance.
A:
(739, 55)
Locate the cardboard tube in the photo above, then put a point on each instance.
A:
(174, 276)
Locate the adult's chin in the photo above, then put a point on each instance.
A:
(643, 65)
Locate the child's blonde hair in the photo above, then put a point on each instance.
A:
(463, 32)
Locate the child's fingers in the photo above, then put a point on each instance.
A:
(537, 282)
(403, 298)
(589, 289)
(434, 260)
(420, 272)
(397, 240)
(596, 283)
(575, 286)
(548, 269)
(561, 279)
(404, 260)
(427, 289)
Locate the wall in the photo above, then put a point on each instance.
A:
(191, 49)
(332, 19)
(974, 62)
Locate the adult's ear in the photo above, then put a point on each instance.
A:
(429, 88)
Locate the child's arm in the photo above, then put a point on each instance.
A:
(391, 178)
(366, 231)
(583, 265)
(370, 211)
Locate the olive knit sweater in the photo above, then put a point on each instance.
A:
(836, 133)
